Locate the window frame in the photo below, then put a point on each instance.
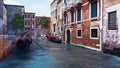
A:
(28, 23)
(77, 15)
(77, 33)
(25, 23)
(54, 27)
(94, 18)
(28, 16)
(33, 16)
(25, 16)
(91, 33)
(108, 20)
(71, 17)
(65, 19)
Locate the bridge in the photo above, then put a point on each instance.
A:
(38, 30)
(31, 36)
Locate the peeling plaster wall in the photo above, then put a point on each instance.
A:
(111, 38)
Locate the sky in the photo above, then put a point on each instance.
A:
(40, 7)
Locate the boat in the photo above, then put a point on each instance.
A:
(54, 39)
(23, 44)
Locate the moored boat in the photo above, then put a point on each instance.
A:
(54, 39)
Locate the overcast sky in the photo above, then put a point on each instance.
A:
(40, 7)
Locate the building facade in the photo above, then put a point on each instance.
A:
(37, 20)
(82, 23)
(1, 16)
(11, 10)
(4, 20)
(29, 21)
(60, 17)
(111, 23)
(4, 45)
(54, 29)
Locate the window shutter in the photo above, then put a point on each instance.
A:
(112, 20)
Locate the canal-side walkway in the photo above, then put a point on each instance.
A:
(54, 55)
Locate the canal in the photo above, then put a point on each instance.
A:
(53, 55)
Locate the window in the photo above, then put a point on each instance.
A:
(38, 19)
(33, 22)
(79, 14)
(33, 16)
(94, 9)
(28, 16)
(64, 19)
(79, 33)
(25, 16)
(22, 16)
(58, 17)
(94, 33)
(61, 28)
(112, 17)
(72, 16)
(54, 27)
(28, 23)
(25, 23)
(64, 1)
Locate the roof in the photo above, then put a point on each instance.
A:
(13, 5)
(53, 2)
(29, 12)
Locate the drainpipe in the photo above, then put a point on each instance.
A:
(101, 27)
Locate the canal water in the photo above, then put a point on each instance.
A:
(53, 55)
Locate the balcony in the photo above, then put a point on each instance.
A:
(70, 4)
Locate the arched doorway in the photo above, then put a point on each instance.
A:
(68, 36)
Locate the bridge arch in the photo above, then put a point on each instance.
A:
(36, 30)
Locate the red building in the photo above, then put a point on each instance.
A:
(29, 20)
(82, 23)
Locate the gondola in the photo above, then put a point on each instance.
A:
(54, 39)
(23, 44)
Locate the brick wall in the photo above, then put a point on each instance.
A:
(4, 48)
(85, 25)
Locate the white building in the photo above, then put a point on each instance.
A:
(60, 17)
(111, 24)
(54, 29)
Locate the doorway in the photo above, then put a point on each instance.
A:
(68, 37)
